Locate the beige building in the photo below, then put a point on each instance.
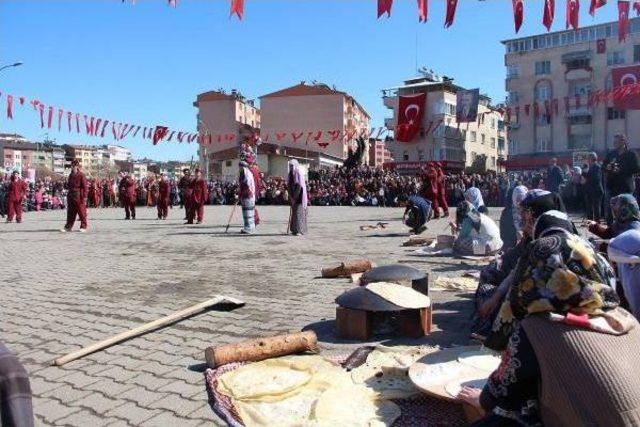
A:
(378, 153)
(441, 138)
(21, 155)
(567, 66)
(230, 116)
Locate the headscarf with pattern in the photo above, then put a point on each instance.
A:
(625, 209)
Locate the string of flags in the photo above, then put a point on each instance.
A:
(572, 11)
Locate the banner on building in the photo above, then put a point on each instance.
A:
(626, 98)
(467, 105)
(410, 112)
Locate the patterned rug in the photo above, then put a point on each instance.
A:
(419, 411)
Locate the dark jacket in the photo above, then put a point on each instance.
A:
(554, 178)
(594, 180)
(620, 181)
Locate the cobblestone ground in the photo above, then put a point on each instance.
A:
(60, 292)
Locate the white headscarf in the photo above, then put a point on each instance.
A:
(519, 193)
(474, 196)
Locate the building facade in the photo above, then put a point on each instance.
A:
(563, 69)
(378, 153)
(441, 138)
(21, 155)
(118, 153)
(222, 114)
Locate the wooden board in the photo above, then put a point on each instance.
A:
(420, 372)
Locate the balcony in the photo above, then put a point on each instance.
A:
(390, 101)
(390, 122)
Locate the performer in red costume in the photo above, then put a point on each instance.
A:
(164, 191)
(127, 190)
(200, 196)
(442, 191)
(15, 197)
(430, 189)
(76, 198)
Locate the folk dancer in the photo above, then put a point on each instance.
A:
(15, 197)
(200, 196)
(127, 191)
(164, 189)
(430, 190)
(442, 191)
(182, 186)
(76, 198)
(298, 199)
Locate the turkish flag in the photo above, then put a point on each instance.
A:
(623, 20)
(410, 112)
(549, 13)
(237, 7)
(518, 13)
(602, 46)
(159, 133)
(384, 6)
(573, 14)
(624, 76)
(595, 4)
(423, 10)
(451, 13)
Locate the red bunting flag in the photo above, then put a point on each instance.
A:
(159, 133)
(114, 132)
(104, 128)
(451, 13)
(573, 14)
(296, 136)
(280, 135)
(549, 13)
(136, 132)
(384, 6)
(335, 134)
(50, 118)
(318, 136)
(171, 135)
(10, 106)
(596, 4)
(77, 122)
(69, 114)
(40, 108)
(237, 7)
(623, 20)
(423, 10)
(60, 113)
(536, 110)
(518, 13)
(192, 137)
(96, 128)
(179, 137)
(173, 3)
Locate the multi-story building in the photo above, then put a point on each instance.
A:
(118, 153)
(21, 155)
(140, 170)
(378, 153)
(563, 68)
(441, 138)
(230, 116)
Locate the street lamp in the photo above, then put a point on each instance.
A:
(17, 64)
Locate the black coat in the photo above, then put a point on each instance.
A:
(593, 184)
(621, 181)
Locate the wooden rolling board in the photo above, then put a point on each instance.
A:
(432, 373)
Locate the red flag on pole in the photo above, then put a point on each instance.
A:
(384, 6)
(518, 13)
(595, 4)
(573, 14)
(549, 13)
(410, 112)
(237, 7)
(159, 133)
(451, 13)
(77, 122)
(423, 10)
(623, 20)
(10, 107)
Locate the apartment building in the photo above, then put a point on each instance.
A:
(21, 155)
(378, 153)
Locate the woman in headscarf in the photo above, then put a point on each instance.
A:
(298, 199)
(510, 218)
(473, 195)
(568, 350)
(626, 216)
(247, 198)
(477, 233)
(624, 250)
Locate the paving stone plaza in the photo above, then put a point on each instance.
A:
(63, 291)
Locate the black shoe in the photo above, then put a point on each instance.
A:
(127, 218)
(188, 222)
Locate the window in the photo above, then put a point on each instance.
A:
(493, 161)
(543, 144)
(580, 88)
(543, 67)
(578, 64)
(420, 155)
(493, 143)
(472, 136)
(482, 138)
(493, 123)
(512, 71)
(473, 155)
(542, 92)
(405, 155)
(615, 58)
(513, 98)
(579, 142)
(613, 114)
(636, 53)
(514, 146)
(449, 109)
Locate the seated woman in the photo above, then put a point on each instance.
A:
(624, 250)
(568, 348)
(510, 219)
(477, 233)
(417, 213)
(626, 216)
(473, 195)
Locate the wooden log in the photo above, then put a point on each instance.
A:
(261, 349)
(346, 269)
(147, 327)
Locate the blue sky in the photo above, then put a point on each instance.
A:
(146, 63)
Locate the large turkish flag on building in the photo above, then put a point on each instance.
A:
(626, 99)
(410, 112)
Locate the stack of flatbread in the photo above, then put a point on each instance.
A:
(442, 283)
(303, 391)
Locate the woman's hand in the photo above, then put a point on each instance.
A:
(470, 395)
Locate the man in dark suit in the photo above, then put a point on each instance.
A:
(594, 191)
(554, 176)
(619, 167)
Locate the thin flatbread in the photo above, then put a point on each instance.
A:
(455, 386)
(399, 295)
(354, 406)
(480, 359)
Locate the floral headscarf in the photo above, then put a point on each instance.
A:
(625, 208)
(560, 274)
(517, 196)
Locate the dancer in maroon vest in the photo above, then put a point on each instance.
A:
(127, 190)
(442, 191)
(164, 190)
(200, 196)
(76, 198)
(15, 197)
